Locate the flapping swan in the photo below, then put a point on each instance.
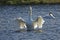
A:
(31, 24)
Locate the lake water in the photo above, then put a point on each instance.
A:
(8, 26)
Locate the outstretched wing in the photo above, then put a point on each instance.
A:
(22, 23)
(38, 23)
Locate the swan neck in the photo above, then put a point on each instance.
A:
(30, 14)
(30, 17)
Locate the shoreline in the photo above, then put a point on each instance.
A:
(34, 4)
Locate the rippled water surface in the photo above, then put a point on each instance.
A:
(8, 26)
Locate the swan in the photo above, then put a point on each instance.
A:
(31, 24)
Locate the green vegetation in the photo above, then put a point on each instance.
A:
(28, 1)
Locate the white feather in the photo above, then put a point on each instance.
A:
(39, 22)
(22, 23)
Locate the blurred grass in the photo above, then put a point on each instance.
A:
(29, 1)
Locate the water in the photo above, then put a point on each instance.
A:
(8, 26)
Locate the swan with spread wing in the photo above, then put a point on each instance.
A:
(33, 24)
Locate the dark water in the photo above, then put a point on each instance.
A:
(8, 26)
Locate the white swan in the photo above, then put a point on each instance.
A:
(31, 24)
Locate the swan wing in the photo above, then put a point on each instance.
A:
(40, 21)
(22, 23)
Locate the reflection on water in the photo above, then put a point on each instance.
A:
(8, 26)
